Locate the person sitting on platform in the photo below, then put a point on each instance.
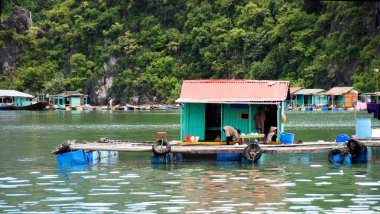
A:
(272, 135)
(230, 132)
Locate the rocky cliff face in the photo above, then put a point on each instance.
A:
(20, 21)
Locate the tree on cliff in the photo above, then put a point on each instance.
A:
(145, 48)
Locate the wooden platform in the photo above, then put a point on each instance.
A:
(305, 148)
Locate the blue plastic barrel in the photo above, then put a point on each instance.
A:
(227, 157)
(287, 138)
(363, 128)
(309, 109)
(341, 138)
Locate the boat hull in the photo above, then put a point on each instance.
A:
(33, 107)
(81, 157)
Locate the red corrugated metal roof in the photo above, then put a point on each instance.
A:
(293, 90)
(233, 91)
(340, 90)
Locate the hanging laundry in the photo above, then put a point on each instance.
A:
(373, 108)
(361, 105)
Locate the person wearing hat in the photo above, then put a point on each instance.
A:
(272, 135)
(230, 132)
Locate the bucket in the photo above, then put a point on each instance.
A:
(287, 138)
(363, 128)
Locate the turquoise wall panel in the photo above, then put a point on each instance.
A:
(232, 117)
(17, 101)
(22, 101)
(61, 102)
(75, 101)
(341, 100)
(309, 100)
(300, 100)
(324, 100)
(181, 123)
(194, 119)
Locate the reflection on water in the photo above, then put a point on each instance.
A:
(30, 180)
(195, 188)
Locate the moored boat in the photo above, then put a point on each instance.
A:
(35, 106)
(15, 100)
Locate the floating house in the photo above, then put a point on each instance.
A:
(72, 99)
(372, 97)
(344, 97)
(209, 105)
(15, 98)
(310, 97)
(292, 97)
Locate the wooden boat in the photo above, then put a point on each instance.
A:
(7, 107)
(35, 106)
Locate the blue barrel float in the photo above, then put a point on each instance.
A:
(341, 138)
(287, 138)
(308, 109)
(355, 152)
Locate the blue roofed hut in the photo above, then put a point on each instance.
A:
(209, 105)
(292, 98)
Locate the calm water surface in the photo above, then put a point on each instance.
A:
(31, 182)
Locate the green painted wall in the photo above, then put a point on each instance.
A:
(75, 101)
(300, 100)
(341, 100)
(309, 100)
(323, 100)
(193, 120)
(59, 101)
(231, 116)
(22, 101)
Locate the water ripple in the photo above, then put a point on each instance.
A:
(34, 128)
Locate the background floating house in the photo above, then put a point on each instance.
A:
(373, 97)
(72, 99)
(292, 98)
(209, 105)
(15, 98)
(310, 97)
(344, 97)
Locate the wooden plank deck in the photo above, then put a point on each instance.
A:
(305, 148)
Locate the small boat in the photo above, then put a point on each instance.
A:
(6, 107)
(15, 100)
(67, 157)
(32, 107)
(35, 106)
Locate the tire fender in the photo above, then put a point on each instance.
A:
(334, 152)
(161, 147)
(252, 152)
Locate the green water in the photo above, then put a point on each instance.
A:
(31, 182)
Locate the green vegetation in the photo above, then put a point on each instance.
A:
(148, 47)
